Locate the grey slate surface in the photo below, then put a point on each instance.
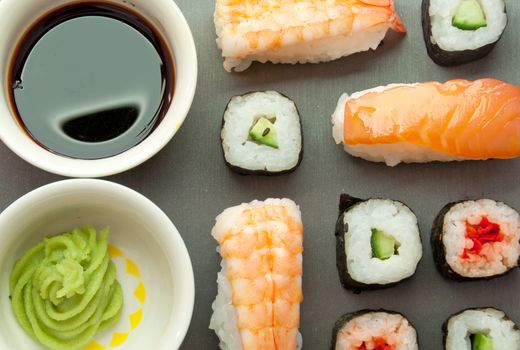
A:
(191, 183)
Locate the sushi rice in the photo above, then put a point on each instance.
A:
(451, 38)
(242, 153)
(461, 31)
(358, 266)
(407, 122)
(224, 319)
(261, 248)
(304, 31)
(491, 322)
(391, 154)
(389, 216)
(371, 328)
(495, 258)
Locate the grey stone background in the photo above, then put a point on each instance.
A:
(190, 182)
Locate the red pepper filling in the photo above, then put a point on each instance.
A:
(380, 344)
(482, 233)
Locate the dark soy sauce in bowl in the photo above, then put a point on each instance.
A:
(91, 80)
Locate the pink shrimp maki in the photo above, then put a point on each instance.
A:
(260, 284)
(374, 330)
(300, 31)
(476, 239)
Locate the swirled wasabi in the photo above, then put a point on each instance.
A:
(64, 290)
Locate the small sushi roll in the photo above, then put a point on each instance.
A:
(481, 329)
(378, 243)
(409, 122)
(476, 239)
(374, 330)
(303, 31)
(260, 284)
(460, 31)
(261, 134)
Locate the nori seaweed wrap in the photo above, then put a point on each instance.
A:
(347, 328)
(261, 134)
(449, 45)
(474, 240)
(377, 243)
(480, 328)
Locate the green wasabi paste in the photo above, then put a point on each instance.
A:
(64, 290)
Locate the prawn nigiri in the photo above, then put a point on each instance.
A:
(423, 122)
(300, 31)
(260, 284)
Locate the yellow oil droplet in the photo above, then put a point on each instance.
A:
(94, 346)
(118, 339)
(114, 252)
(132, 268)
(136, 318)
(140, 293)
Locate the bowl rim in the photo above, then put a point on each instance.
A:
(44, 159)
(172, 240)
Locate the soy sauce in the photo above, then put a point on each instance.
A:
(91, 80)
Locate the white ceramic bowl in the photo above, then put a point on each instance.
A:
(139, 229)
(17, 15)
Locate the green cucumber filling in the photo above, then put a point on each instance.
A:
(384, 246)
(481, 341)
(264, 131)
(469, 16)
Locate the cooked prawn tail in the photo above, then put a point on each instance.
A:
(395, 21)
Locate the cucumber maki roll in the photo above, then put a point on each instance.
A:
(481, 329)
(378, 243)
(476, 239)
(374, 330)
(261, 134)
(460, 31)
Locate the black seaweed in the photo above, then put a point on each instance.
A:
(445, 324)
(244, 171)
(449, 58)
(343, 320)
(439, 253)
(346, 203)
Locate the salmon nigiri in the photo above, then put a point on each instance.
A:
(423, 122)
(260, 284)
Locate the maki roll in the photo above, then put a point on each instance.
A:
(261, 134)
(374, 330)
(460, 31)
(481, 329)
(377, 243)
(476, 239)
